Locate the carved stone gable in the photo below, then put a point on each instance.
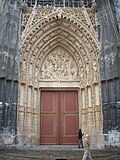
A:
(59, 65)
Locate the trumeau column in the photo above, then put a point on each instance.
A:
(109, 69)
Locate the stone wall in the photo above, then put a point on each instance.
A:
(109, 71)
(9, 67)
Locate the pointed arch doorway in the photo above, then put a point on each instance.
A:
(59, 118)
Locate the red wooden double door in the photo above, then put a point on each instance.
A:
(59, 118)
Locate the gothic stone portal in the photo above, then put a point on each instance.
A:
(59, 53)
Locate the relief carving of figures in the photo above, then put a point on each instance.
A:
(59, 65)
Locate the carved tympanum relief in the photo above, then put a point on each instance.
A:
(59, 65)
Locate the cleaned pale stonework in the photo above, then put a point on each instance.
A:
(59, 51)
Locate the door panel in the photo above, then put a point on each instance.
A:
(70, 118)
(70, 102)
(48, 118)
(59, 117)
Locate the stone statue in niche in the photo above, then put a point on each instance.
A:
(87, 69)
(59, 65)
(88, 73)
(36, 76)
(81, 72)
(36, 72)
(94, 66)
(24, 66)
(95, 70)
(82, 79)
(30, 79)
(23, 71)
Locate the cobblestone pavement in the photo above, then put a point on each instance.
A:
(57, 153)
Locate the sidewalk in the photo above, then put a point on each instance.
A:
(57, 153)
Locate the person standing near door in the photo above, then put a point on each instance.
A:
(80, 135)
(86, 143)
